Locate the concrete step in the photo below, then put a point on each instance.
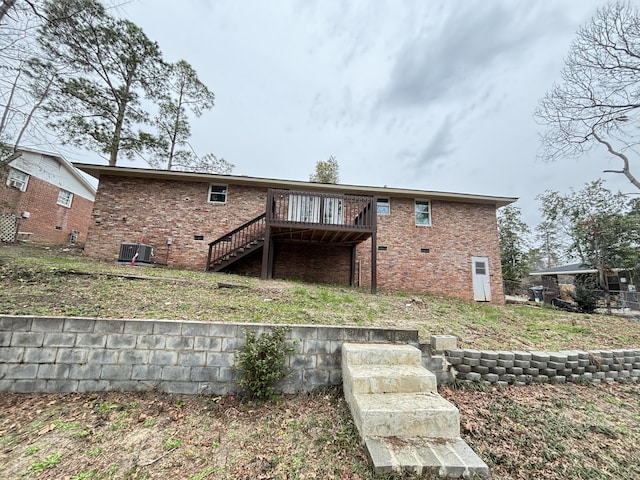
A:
(380, 354)
(450, 459)
(389, 379)
(405, 415)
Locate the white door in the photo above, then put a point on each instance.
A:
(480, 276)
(304, 208)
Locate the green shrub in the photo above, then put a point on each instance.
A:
(586, 298)
(262, 362)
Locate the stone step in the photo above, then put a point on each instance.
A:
(389, 379)
(404, 415)
(451, 458)
(380, 354)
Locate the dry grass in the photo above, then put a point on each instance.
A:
(35, 281)
(538, 432)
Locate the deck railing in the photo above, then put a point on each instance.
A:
(249, 233)
(293, 208)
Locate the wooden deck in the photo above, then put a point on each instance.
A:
(320, 217)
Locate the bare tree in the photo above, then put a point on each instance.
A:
(598, 101)
(25, 83)
(5, 7)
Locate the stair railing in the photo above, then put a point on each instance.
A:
(236, 239)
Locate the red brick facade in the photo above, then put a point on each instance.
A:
(152, 210)
(129, 210)
(46, 221)
(434, 258)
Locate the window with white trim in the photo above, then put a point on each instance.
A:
(65, 198)
(383, 206)
(217, 194)
(17, 179)
(423, 213)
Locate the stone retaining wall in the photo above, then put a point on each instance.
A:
(87, 354)
(521, 368)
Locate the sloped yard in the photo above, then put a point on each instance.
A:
(535, 432)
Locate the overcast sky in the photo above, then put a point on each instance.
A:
(432, 95)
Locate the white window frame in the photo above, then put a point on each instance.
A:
(223, 190)
(416, 212)
(385, 201)
(65, 198)
(18, 179)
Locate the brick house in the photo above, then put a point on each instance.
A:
(43, 198)
(389, 238)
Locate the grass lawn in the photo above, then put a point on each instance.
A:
(533, 432)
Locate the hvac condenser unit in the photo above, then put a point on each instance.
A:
(129, 250)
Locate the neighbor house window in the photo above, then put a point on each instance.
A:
(65, 198)
(383, 206)
(423, 213)
(218, 193)
(18, 179)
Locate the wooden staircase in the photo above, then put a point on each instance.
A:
(236, 244)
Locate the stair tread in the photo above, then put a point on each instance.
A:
(390, 379)
(451, 458)
(399, 402)
(363, 371)
(381, 354)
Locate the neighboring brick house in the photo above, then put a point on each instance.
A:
(389, 238)
(44, 199)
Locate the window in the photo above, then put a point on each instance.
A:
(18, 179)
(423, 213)
(383, 206)
(217, 193)
(65, 198)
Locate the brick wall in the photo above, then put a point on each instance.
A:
(312, 263)
(88, 354)
(48, 222)
(458, 231)
(132, 209)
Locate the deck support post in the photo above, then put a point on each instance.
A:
(374, 245)
(266, 248)
(374, 262)
(352, 266)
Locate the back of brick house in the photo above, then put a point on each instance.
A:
(406, 240)
(44, 199)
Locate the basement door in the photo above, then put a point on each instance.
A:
(480, 276)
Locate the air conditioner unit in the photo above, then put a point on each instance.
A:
(129, 250)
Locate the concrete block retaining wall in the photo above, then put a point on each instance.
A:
(521, 368)
(87, 354)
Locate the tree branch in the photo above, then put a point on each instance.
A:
(625, 160)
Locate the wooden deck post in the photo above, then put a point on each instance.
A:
(374, 246)
(267, 253)
(374, 262)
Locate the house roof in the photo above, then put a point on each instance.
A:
(98, 170)
(66, 164)
(570, 269)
